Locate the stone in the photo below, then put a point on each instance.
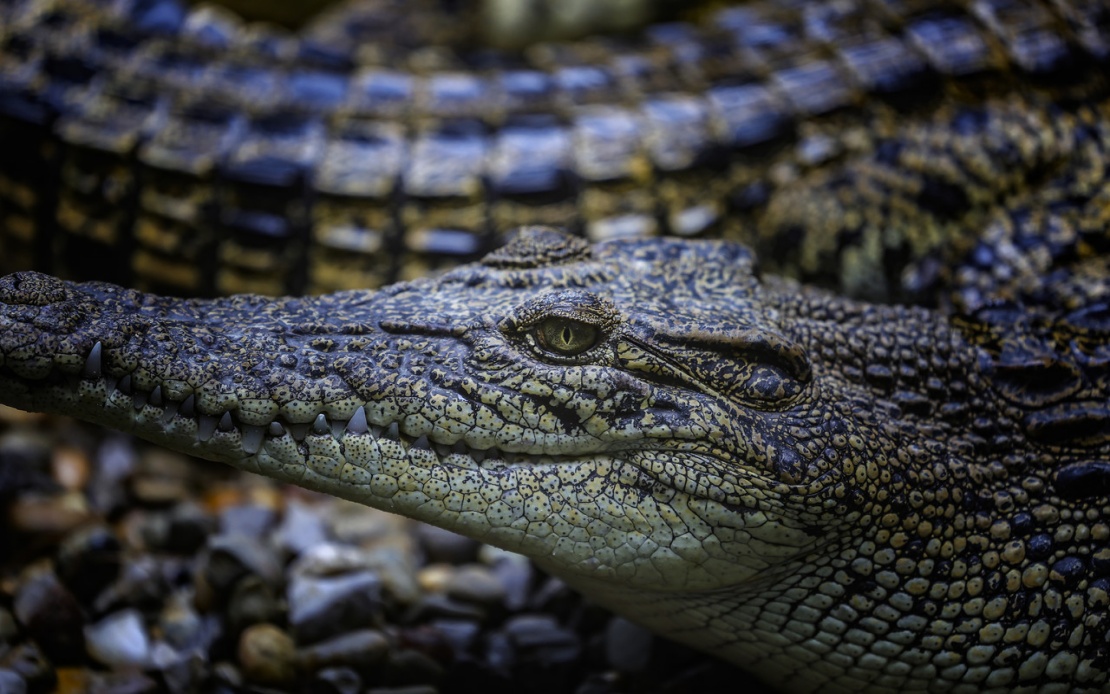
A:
(267, 655)
(475, 583)
(119, 640)
(362, 650)
(323, 606)
(50, 614)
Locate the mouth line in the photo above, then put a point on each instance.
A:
(156, 405)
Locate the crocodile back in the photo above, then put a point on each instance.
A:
(852, 143)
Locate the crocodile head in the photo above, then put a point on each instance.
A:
(647, 419)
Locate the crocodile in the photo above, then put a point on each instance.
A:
(835, 495)
(184, 150)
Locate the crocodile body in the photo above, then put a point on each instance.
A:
(834, 495)
(851, 143)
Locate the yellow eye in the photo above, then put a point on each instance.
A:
(566, 337)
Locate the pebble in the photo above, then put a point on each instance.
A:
(302, 529)
(29, 662)
(627, 645)
(411, 667)
(252, 520)
(477, 584)
(324, 606)
(514, 572)
(77, 681)
(143, 582)
(188, 527)
(53, 515)
(70, 467)
(362, 650)
(434, 577)
(342, 680)
(179, 623)
(266, 654)
(88, 561)
(119, 640)
(539, 638)
(9, 630)
(252, 602)
(461, 636)
(445, 546)
(24, 457)
(229, 558)
(50, 614)
(116, 459)
(11, 682)
(395, 567)
(162, 478)
(439, 606)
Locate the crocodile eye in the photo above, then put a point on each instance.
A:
(566, 337)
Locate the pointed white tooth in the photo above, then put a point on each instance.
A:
(188, 406)
(93, 364)
(320, 426)
(421, 442)
(206, 426)
(226, 422)
(393, 432)
(139, 399)
(170, 411)
(358, 424)
(276, 429)
(252, 438)
(156, 397)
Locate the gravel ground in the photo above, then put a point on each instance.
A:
(125, 569)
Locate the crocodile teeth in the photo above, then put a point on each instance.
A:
(276, 429)
(358, 424)
(156, 397)
(170, 412)
(140, 399)
(93, 364)
(478, 456)
(393, 432)
(320, 425)
(124, 384)
(226, 423)
(206, 426)
(421, 442)
(252, 437)
(299, 431)
(188, 407)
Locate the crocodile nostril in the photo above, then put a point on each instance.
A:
(31, 289)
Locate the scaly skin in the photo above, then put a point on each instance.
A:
(836, 496)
